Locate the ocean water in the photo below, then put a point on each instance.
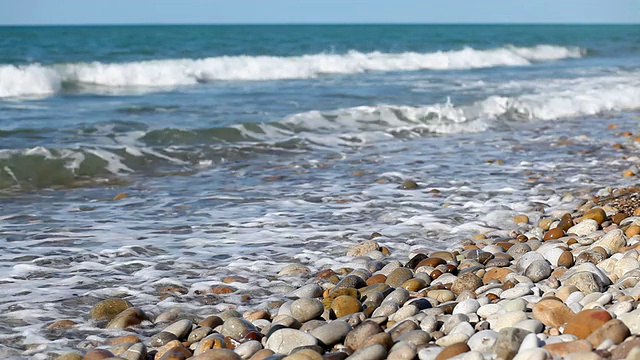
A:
(243, 149)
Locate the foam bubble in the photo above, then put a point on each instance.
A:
(36, 79)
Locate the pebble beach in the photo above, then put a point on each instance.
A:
(556, 283)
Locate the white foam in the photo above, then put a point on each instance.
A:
(36, 79)
(28, 80)
(561, 98)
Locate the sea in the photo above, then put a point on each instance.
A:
(134, 159)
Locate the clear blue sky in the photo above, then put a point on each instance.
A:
(29, 12)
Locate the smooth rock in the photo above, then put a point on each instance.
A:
(564, 348)
(97, 354)
(613, 241)
(361, 333)
(345, 305)
(466, 281)
(331, 333)
(415, 337)
(398, 276)
(129, 317)
(452, 350)
(614, 330)
(248, 349)
(180, 328)
(552, 312)
(135, 352)
(538, 270)
(466, 306)
(284, 340)
(235, 327)
(483, 341)
(373, 352)
(508, 342)
(217, 354)
(583, 228)
(531, 354)
(308, 291)
(306, 309)
(586, 322)
(109, 309)
(507, 320)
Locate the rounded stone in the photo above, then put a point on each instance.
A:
(373, 352)
(466, 281)
(483, 341)
(129, 317)
(97, 354)
(586, 321)
(109, 309)
(235, 327)
(552, 312)
(583, 228)
(306, 309)
(180, 328)
(361, 333)
(552, 234)
(217, 354)
(345, 305)
(614, 329)
(331, 333)
(453, 350)
(566, 259)
(596, 214)
(538, 270)
(282, 341)
(399, 276)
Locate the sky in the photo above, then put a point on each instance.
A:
(68, 12)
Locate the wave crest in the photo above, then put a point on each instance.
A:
(41, 80)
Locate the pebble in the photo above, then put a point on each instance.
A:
(129, 317)
(109, 309)
(306, 309)
(584, 228)
(452, 350)
(516, 292)
(284, 340)
(373, 352)
(483, 341)
(332, 333)
(532, 354)
(508, 342)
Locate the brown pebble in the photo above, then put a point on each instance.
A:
(234, 278)
(262, 354)
(124, 339)
(211, 321)
(62, 324)
(566, 222)
(617, 218)
(552, 234)
(566, 259)
(552, 311)
(632, 231)
(376, 279)
(120, 196)
(521, 219)
(97, 354)
(586, 321)
(596, 214)
(221, 289)
(453, 350)
(563, 348)
(613, 329)
(173, 350)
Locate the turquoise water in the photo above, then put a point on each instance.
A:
(246, 148)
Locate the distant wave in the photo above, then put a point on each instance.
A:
(40, 80)
(188, 149)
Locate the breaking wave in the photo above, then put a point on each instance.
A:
(41, 80)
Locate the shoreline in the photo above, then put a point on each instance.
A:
(536, 293)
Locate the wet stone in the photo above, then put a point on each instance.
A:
(109, 309)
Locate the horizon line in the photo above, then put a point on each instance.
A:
(330, 24)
